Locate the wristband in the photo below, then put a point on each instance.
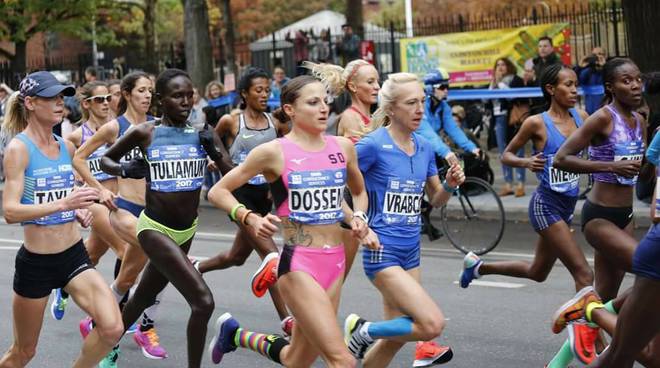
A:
(448, 188)
(232, 213)
(361, 215)
(245, 215)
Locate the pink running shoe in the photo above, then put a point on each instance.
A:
(148, 341)
(287, 325)
(85, 326)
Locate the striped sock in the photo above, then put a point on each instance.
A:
(269, 346)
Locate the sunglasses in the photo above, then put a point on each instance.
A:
(441, 86)
(100, 99)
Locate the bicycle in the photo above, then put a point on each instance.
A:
(475, 206)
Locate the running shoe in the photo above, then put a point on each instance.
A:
(110, 360)
(131, 329)
(149, 342)
(195, 262)
(223, 340)
(287, 325)
(582, 338)
(85, 326)
(357, 344)
(266, 274)
(471, 262)
(59, 305)
(428, 353)
(574, 308)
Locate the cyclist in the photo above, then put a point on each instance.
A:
(438, 117)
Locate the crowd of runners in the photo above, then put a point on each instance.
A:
(135, 180)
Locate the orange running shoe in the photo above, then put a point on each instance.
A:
(573, 309)
(428, 353)
(582, 338)
(266, 275)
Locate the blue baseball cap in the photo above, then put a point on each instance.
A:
(44, 84)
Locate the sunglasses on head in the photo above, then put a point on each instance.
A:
(441, 86)
(100, 99)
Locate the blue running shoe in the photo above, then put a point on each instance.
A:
(223, 341)
(470, 264)
(58, 306)
(110, 360)
(131, 329)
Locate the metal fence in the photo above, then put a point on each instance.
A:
(74, 64)
(590, 25)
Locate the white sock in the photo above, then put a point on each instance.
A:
(476, 270)
(364, 332)
(116, 293)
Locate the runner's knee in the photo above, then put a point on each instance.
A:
(430, 327)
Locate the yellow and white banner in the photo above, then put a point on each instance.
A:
(469, 57)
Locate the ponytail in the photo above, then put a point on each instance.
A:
(15, 120)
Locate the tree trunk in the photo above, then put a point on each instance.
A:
(642, 27)
(19, 62)
(354, 16)
(149, 27)
(199, 58)
(230, 52)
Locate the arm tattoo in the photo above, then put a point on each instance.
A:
(296, 234)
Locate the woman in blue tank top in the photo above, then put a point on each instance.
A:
(552, 204)
(615, 135)
(398, 167)
(39, 193)
(173, 165)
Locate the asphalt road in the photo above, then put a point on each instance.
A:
(503, 322)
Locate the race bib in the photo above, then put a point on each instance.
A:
(402, 203)
(315, 197)
(136, 152)
(628, 151)
(257, 180)
(176, 168)
(94, 164)
(50, 188)
(561, 181)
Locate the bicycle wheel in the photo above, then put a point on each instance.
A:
(473, 218)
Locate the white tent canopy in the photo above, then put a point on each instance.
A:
(322, 20)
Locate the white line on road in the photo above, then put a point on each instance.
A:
(495, 284)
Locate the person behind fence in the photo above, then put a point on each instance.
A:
(546, 57)
(504, 77)
(197, 117)
(279, 80)
(438, 118)
(349, 45)
(591, 74)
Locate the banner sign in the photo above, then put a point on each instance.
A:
(469, 57)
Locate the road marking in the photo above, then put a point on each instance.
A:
(9, 248)
(495, 284)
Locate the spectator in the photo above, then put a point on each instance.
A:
(90, 74)
(114, 88)
(300, 49)
(591, 74)
(5, 92)
(197, 117)
(214, 112)
(279, 80)
(349, 46)
(504, 77)
(546, 57)
(321, 48)
(458, 113)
